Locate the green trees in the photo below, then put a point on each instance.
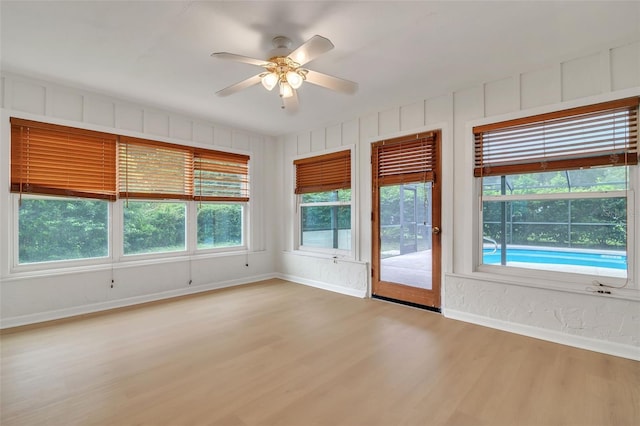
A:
(59, 229)
(151, 226)
(593, 223)
(219, 225)
(52, 229)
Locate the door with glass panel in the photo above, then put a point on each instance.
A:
(406, 219)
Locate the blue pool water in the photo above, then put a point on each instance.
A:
(557, 257)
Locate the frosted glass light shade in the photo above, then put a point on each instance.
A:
(270, 80)
(285, 90)
(294, 79)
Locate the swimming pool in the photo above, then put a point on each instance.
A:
(557, 257)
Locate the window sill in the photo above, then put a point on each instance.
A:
(61, 270)
(320, 255)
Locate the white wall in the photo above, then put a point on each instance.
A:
(610, 324)
(569, 315)
(35, 296)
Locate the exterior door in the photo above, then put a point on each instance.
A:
(406, 219)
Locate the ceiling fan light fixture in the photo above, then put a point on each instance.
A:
(270, 80)
(286, 91)
(294, 79)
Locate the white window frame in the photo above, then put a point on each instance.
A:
(140, 256)
(572, 279)
(297, 222)
(14, 247)
(244, 246)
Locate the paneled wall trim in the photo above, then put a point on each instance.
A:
(33, 296)
(520, 304)
(569, 318)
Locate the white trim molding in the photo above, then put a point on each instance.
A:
(130, 301)
(610, 348)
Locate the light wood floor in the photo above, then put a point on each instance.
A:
(277, 353)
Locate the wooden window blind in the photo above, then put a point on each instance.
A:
(220, 176)
(57, 160)
(406, 159)
(150, 169)
(323, 173)
(595, 135)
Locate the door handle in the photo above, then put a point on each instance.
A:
(436, 230)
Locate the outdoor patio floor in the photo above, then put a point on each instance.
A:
(413, 269)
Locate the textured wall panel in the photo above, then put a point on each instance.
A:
(304, 143)
(540, 87)
(581, 77)
(202, 133)
(501, 96)
(98, 111)
(412, 116)
(389, 121)
(129, 117)
(156, 123)
(180, 128)
(240, 140)
(334, 136)
(318, 140)
(68, 106)
(625, 66)
(29, 97)
(222, 136)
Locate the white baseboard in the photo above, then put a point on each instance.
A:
(120, 303)
(610, 348)
(324, 286)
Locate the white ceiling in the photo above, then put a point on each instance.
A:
(158, 53)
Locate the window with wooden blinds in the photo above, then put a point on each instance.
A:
(596, 135)
(406, 159)
(323, 173)
(149, 169)
(57, 160)
(220, 176)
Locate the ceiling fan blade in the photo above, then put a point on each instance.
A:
(330, 82)
(311, 49)
(251, 81)
(240, 58)
(290, 104)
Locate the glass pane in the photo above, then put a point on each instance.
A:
(405, 234)
(328, 196)
(219, 225)
(585, 180)
(154, 227)
(583, 236)
(326, 227)
(60, 229)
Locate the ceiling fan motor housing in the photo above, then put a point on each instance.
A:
(282, 46)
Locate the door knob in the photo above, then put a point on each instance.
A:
(436, 230)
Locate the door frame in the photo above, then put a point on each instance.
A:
(403, 293)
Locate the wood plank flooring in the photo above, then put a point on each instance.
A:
(278, 353)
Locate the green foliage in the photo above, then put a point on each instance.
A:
(219, 225)
(594, 223)
(151, 227)
(59, 229)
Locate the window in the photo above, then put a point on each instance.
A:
(64, 179)
(326, 219)
(50, 160)
(154, 227)
(220, 225)
(42, 220)
(556, 189)
(323, 188)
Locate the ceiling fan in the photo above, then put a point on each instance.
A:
(284, 69)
